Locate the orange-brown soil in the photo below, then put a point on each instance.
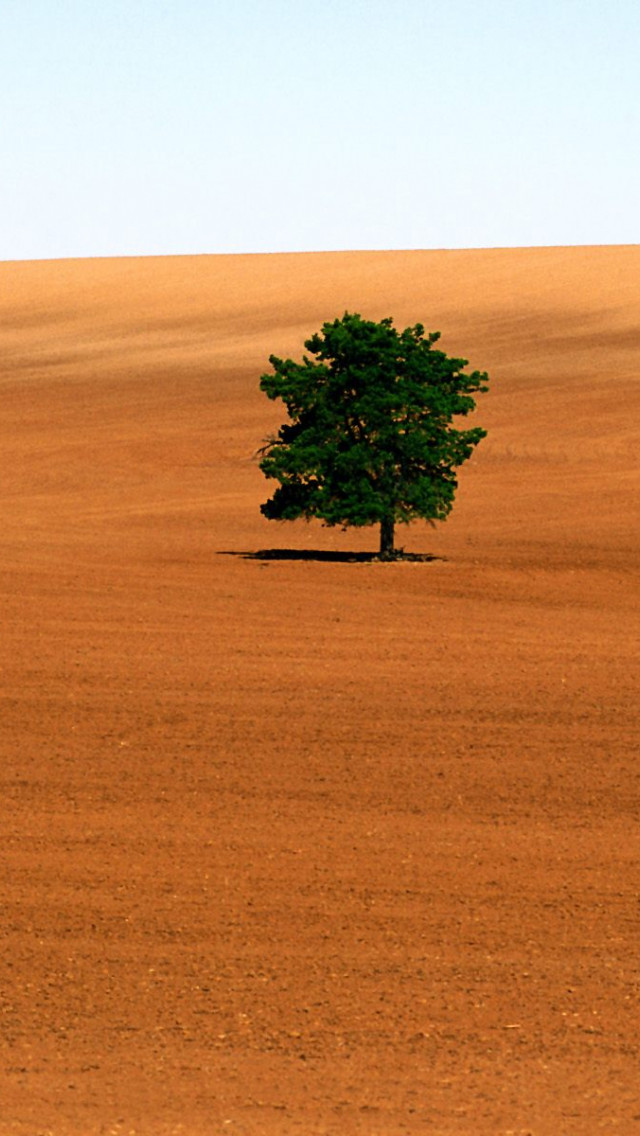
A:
(309, 846)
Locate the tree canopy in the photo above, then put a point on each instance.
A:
(370, 437)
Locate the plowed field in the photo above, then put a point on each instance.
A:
(312, 845)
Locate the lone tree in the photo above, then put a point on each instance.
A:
(370, 437)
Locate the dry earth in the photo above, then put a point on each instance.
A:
(310, 846)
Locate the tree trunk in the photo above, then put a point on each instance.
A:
(386, 537)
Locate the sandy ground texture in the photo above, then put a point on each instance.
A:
(311, 846)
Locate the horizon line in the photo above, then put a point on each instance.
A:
(319, 252)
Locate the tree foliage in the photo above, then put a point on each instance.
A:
(370, 437)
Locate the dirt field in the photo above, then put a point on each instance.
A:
(311, 846)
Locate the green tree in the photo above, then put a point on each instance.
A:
(370, 437)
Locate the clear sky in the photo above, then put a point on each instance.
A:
(133, 127)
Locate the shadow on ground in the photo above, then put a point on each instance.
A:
(332, 556)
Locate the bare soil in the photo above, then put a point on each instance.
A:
(294, 841)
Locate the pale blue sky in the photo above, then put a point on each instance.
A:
(134, 127)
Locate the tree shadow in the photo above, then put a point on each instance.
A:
(334, 557)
